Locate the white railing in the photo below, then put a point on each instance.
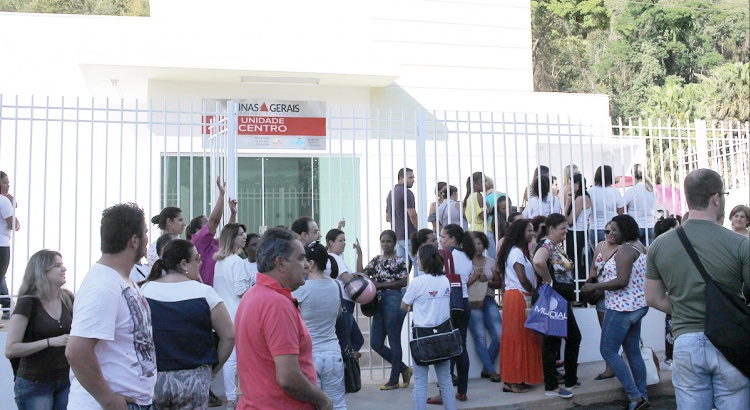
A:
(68, 159)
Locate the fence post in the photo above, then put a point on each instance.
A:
(421, 170)
(701, 143)
(232, 178)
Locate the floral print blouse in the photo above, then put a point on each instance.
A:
(386, 270)
(562, 266)
(632, 296)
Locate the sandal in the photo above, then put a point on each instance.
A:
(406, 375)
(495, 378)
(389, 386)
(514, 388)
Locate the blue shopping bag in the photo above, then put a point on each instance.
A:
(549, 315)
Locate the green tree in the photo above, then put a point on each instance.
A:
(727, 89)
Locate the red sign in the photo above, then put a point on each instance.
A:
(271, 125)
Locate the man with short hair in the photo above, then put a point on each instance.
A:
(401, 197)
(111, 346)
(307, 229)
(702, 376)
(274, 347)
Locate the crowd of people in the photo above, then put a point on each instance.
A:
(152, 325)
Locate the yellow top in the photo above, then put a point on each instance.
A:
(472, 211)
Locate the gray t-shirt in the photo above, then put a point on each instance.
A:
(724, 254)
(397, 217)
(319, 303)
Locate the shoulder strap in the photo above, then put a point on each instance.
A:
(346, 322)
(334, 267)
(693, 255)
(448, 261)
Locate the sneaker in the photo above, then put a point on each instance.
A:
(668, 362)
(573, 387)
(560, 392)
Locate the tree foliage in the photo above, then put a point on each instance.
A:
(657, 58)
(99, 7)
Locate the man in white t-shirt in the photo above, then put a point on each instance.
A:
(111, 346)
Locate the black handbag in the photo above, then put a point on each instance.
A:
(430, 345)
(352, 376)
(727, 315)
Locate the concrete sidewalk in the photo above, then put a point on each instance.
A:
(485, 395)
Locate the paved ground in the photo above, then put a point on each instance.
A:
(483, 394)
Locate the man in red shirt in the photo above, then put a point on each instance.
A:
(274, 348)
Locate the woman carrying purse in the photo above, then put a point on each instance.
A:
(428, 296)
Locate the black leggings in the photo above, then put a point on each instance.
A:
(4, 263)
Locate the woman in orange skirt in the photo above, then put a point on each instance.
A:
(521, 364)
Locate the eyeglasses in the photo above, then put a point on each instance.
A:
(725, 193)
(607, 232)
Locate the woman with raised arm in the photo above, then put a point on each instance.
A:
(202, 230)
(38, 333)
(184, 315)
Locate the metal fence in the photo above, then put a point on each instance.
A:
(68, 159)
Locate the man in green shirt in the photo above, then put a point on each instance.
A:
(702, 376)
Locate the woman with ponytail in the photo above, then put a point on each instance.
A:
(184, 313)
(169, 220)
(640, 202)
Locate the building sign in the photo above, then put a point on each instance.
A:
(270, 124)
(283, 124)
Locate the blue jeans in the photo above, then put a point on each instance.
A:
(646, 238)
(388, 321)
(624, 329)
(354, 333)
(488, 316)
(329, 367)
(702, 376)
(31, 395)
(443, 372)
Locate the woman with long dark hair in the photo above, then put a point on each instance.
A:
(485, 317)
(623, 279)
(184, 315)
(38, 333)
(522, 359)
(462, 248)
(429, 297)
(388, 272)
(606, 202)
(577, 210)
(556, 269)
(640, 202)
(541, 200)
